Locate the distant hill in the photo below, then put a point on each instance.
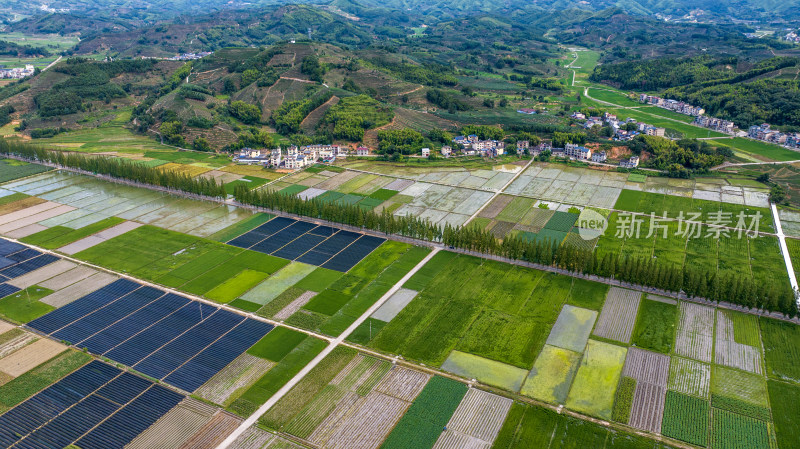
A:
(150, 11)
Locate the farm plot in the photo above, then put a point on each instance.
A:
(686, 418)
(479, 416)
(646, 366)
(655, 326)
(572, 328)
(739, 385)
(29, 357)
(689, 377)
(495, 207)
(734, 431)
(781, 349)
(695, 332)
(394, 305)
(172, 430)
(729, 352)
(487, 371)
(255, 438)
(296, 304)
(358, 406)
(597, 378)
(284, 278)
(648, 407)
(11, 169)
(552, 374)
(502, 313)
(651, 371)
(422, 424)
(618, 316)
(784, 398)
(13, 339)
(240, 374)
(214, 432)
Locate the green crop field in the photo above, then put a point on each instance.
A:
(740, 385)
(655, 110)
(733, 431)
(277, 376)
(765, 151)
(532, 427)
(500, 312)
(613, 97)
(235, 286)
(781, 349)
(24, 306)
(785, 401)
(588, 294)
(655, 326)
(11, 169)
(277, 344)
(624, 400)
(552, 373)
(423, 422)
(686, 418)
(487, 371)
(595, 384)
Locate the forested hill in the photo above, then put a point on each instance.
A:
(150, 11)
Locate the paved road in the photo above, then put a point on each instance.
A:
(52, 63)
(331, 346)
(784, 249)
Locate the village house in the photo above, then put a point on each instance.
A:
(426, 152)
(362, 151)
(633, 162)
(653, 131)
(599, 156)
(250, 156)
(576, 151)
(446, 151)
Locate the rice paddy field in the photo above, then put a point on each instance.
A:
(689, 372)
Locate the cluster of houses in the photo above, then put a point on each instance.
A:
(765, 133)
(294, 157)
(792, 37)
(619, 127)
(704, 121)
(717, 124)
(18, 72)
(471, 145)
(673, 105)
(190, 56)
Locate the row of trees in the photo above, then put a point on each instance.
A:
(644, 271)
(639, 270)
(118, 168)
